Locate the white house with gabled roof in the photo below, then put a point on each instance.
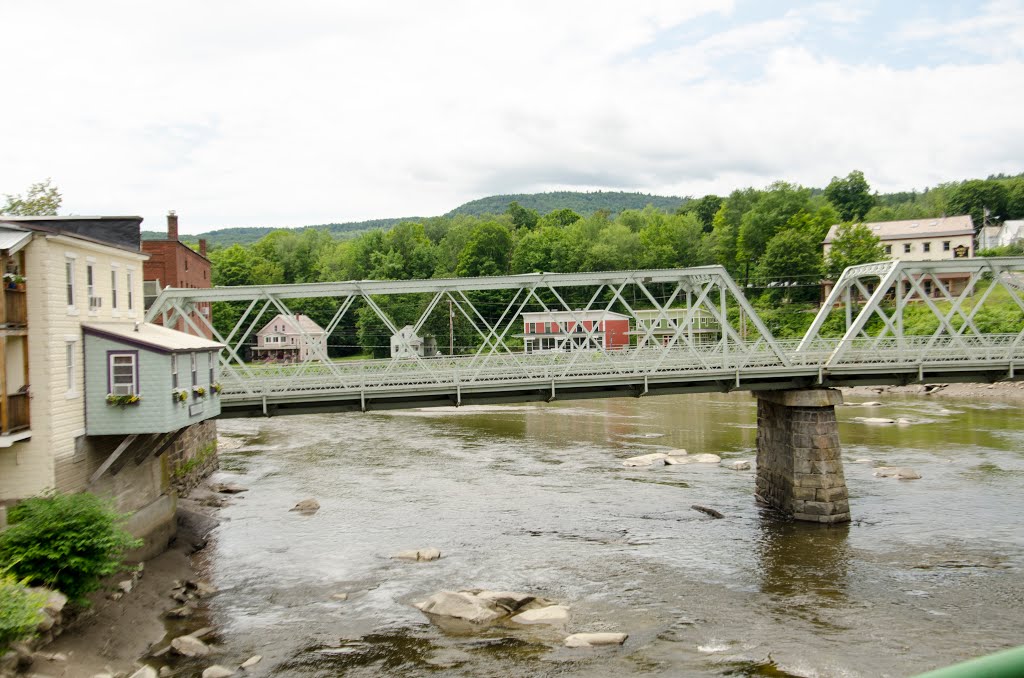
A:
(290, 338)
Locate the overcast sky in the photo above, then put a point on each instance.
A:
(263, 113)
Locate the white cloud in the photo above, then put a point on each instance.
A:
(266, 114)
(997, 32)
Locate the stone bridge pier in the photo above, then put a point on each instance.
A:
(799, 467)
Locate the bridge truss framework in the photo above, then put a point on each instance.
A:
(867, 331)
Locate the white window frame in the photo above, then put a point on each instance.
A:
(211, 360)
(195, 370)
(174, 370)
(70, 352)
(69, 271)
(113, 290)
(131, 289)
(90, 285)
(133, 362)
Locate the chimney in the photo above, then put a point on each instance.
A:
(202, 246)
(172, 225)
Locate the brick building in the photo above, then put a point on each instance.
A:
(172, 263)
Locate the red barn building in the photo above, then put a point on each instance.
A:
(172, 263)
(567, 331)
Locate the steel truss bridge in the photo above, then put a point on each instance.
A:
(889, 322)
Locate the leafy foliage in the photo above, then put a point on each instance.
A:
(19, 610)
(41, 199)
(851, 196)
(854, 244)
(68, 542)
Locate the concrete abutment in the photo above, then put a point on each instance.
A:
(799, 463)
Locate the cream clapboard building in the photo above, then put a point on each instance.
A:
(922, 240)
(61, 276)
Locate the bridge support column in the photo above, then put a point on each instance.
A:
(799, 468)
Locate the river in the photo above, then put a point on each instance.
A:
(534, 498)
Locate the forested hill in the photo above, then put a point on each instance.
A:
(247, 235)
(584, 204)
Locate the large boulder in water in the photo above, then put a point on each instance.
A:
(462, 605)
(482, 607)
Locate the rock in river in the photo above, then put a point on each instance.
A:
(741, 465)
(461, 605)
(902, 473)
(307, 506)
(420, 554)
(552, 614)
(217, 671)
(483, 607)
(653, 459)
(190, 646)
(595, 639)
(703, 458)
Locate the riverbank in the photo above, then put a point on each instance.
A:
(1002, 390)
(120, 629)
(119, 634)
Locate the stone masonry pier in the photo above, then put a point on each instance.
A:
(799, 468)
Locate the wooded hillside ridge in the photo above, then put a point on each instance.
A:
(1001, 195)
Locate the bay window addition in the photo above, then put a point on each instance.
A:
(124, 373)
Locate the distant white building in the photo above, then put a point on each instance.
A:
(407, 344)
(1008, 233)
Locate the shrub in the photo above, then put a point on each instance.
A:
(67, 542)
(19, 610)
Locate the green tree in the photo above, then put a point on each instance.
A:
(543, 250)
(704, 209)
(488, 251)
(853, 244)
(766, 217)
(562, 217)
(792, 261)
(671, 241)
(725, 226)
(976, 196)
(522, 217)
(850, 196)
(230, 266)
(41, 200)
(1015, 199)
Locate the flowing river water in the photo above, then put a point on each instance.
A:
(535, 498)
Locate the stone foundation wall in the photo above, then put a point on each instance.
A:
(799, 467)
(193, 456)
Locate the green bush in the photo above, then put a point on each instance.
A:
(67, 542)
(20, 610)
